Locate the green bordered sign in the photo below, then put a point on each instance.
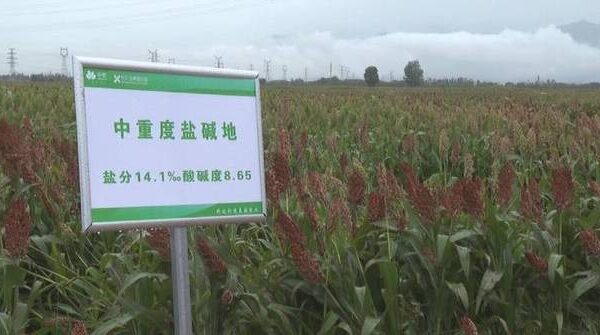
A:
(163, 144)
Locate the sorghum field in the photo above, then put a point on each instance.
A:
(391, 211)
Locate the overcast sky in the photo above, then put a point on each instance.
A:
(481, 39)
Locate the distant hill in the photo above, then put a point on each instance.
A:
(583, 32)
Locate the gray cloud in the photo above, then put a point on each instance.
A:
(506, 56)
(469, 38)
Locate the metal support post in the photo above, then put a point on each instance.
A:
(182, 310)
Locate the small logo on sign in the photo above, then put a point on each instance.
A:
(117, 78)
(90, 75)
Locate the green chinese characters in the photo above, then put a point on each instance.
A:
(210, 131)
(183, 176)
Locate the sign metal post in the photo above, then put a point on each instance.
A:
(182, 309)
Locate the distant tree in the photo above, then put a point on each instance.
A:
(413, 74)
(371, 76)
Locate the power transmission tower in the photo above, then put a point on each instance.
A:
(284, 72)
(330, 69)
(12, 60)
(251, 67)
(342, 71)
(267, 69)
(153, 55)
(64, 53)
(219, 61)
(305, 74)
(171, 61)
(391, 76)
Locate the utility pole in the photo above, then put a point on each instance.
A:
(219, 61)
(251, 67)
(284, 72)
(153, 55)
(64, 53)
(330, 69)
(12, 60)
(267, 69)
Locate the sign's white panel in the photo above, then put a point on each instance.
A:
(168, 147)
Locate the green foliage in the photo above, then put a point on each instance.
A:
(413, 74)
(371, 76)
(392, 276)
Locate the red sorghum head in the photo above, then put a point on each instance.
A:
(306, 264)
(418, 195)
(562, 187)
(341, 214)
(159, 240)
(455, 153)
(284, 142)
(472, 197)
(589, 242)
(506, 178)
(79, 328)
(430, 255)
(382, 181)
(399, 217)
(16, 153)
(67, 150)
(595, 186)
(539, 264)
(227, 297)
(308, 207)
(288, 229)
(272, 186)
(281, 171)
(388, 184)
(17, 226)
(468, 326)
(300, 145)
(409, 142)
(317, 187)
(452, 199)
(376, 207)
(212, 261)
(531, 201)
(394, 191)
(363, 132)
(356, 187)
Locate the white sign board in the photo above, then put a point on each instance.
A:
(163, 144)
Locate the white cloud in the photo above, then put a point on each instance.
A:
(507, 56)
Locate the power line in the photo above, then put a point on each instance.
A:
(163, 13)
(12, 60)
(54, 10)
